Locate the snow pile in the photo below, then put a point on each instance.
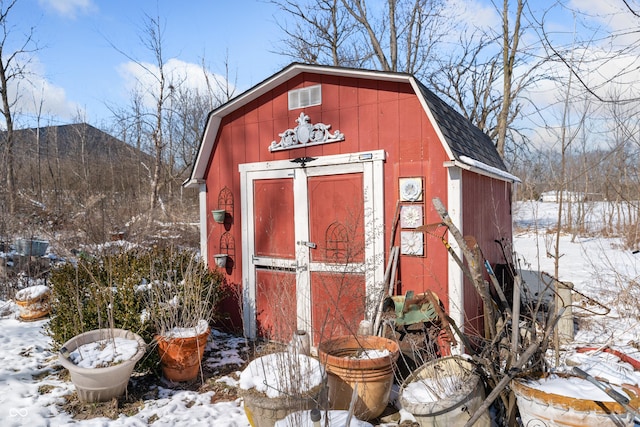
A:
(104, 353)
(574, 387)
(433, 389)
(199, 329)
(279, 374)
(32, 293)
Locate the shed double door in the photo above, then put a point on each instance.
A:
(309, 232)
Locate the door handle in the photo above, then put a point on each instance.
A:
(307, 244)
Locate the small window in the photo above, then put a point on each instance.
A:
(305, 97)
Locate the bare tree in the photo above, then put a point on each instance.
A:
(13, 69)
(510, 41)
(154, 43)
(150, 122)
(320, 34)
(478, 74)
(394, 36)
(167, 115)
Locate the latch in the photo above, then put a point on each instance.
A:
(307, 244)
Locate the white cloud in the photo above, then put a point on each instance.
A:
(69, 8)
(143, 77)
(35, 95)
(473, 13)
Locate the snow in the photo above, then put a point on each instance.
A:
(104, 353)
(32, 393)
(605, 366)
(32, 292)
(489, 169)
(28, 366)
(371, 353)
(573, 387)
(273, 374)
(432, 389)
(199, 329)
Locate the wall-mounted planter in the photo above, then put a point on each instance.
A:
(219, 215)
(221, 260)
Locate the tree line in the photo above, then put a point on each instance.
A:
(581, 138)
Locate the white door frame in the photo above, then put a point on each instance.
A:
(371, 165)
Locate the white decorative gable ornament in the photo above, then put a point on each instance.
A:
(305, 134)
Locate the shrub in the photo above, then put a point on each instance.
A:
(110, 289)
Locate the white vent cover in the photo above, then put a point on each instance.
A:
(305, 97)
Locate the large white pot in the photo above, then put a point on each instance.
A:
(100, 384)
(459, 388)
(562, 409)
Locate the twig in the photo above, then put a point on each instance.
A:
(524, 358)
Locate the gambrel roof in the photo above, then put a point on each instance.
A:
(466, 145)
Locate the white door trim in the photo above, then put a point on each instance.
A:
(371, 164)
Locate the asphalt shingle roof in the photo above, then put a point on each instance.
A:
(462, 136)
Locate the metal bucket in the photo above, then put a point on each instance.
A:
(31, 247)
(455, 392)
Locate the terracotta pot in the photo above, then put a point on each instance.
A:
(374, 376)
(100, 384)
(181, 357)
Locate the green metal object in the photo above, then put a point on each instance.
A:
(411, 309)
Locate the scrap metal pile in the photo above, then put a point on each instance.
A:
(514, 340)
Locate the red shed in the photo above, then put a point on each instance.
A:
(313, 167)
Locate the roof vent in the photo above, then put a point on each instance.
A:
(305, 97)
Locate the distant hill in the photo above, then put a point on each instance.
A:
(76, 157)
(71, 140)
(80, 184)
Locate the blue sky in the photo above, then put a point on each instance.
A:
(79, 69)
(79, 73)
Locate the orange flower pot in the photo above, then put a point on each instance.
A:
(374, 376)
(181, 357)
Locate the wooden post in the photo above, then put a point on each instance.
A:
(475, 266)
(563, 299)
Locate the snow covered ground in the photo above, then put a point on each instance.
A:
(31, 393)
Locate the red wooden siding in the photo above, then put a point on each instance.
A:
(276, 304)
(493, 222)
(372, 115)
